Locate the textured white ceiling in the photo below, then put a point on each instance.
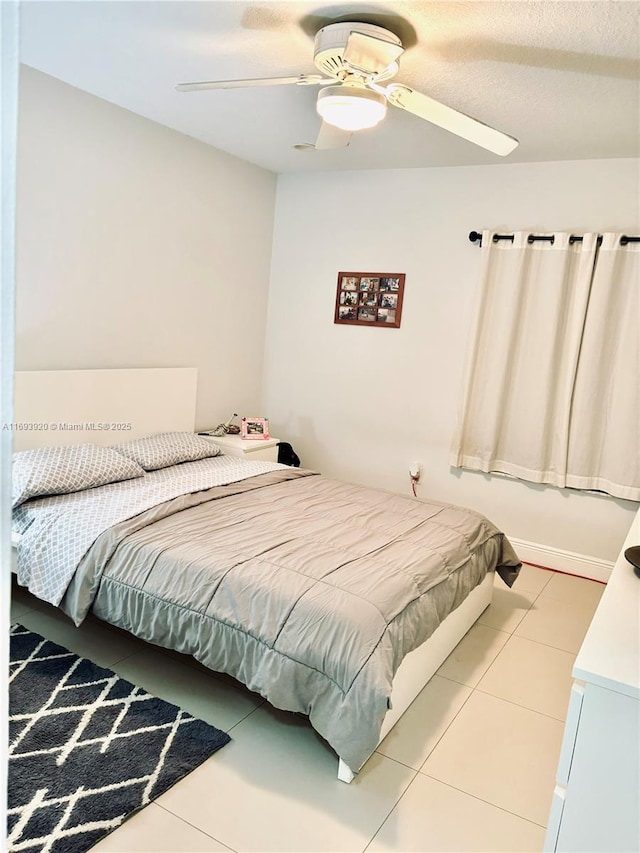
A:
(562, 77)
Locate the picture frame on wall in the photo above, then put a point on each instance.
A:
(254, 428)
(371, 299)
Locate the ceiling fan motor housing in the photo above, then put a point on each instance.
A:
(331, 41)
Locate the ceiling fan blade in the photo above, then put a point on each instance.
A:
(330, 136)
(300, 80)
(446, 117)
(370, 54)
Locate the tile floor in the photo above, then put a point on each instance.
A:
(469, 767)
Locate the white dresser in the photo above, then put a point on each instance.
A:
(596, 802)
(260, 448)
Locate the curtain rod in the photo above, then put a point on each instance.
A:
(476, 237)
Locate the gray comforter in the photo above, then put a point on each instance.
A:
(308, 590)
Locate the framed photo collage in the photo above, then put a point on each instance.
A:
(369, 299)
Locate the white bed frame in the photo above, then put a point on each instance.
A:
(163, 400)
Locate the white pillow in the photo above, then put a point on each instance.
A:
(167, 448)
(61, 470)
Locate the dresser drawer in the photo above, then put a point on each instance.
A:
(570, 732)
(555, 817)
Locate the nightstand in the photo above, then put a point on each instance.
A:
(233, 445)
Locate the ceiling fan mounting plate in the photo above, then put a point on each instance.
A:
(330, 43)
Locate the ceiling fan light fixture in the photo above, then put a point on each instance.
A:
(351, 108)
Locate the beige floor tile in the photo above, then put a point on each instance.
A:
(532, 579)
(556, 623)
(424, 722)
(93, 639)
(154, 830)
(275, 788)
(217, 702)
(573, 590)
(530, 674)
(435, 817)
(507, 608)
(504, 754)
(473, 655)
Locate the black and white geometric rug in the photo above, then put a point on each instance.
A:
(87, 748)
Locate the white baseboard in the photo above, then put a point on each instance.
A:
(562, 561)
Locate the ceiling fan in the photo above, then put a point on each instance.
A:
(355, 58)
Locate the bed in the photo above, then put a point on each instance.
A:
(328, 598)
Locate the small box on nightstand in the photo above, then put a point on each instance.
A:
(233, 445)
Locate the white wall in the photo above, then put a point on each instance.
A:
(9, 40)
(361, 403)
(138, 247)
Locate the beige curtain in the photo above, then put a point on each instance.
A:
(523, 358)
(604, 434)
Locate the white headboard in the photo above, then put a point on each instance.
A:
(56, 407)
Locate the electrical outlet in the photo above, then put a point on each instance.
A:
(414, 471)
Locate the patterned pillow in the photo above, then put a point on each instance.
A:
(167, 448)
(61, 470)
